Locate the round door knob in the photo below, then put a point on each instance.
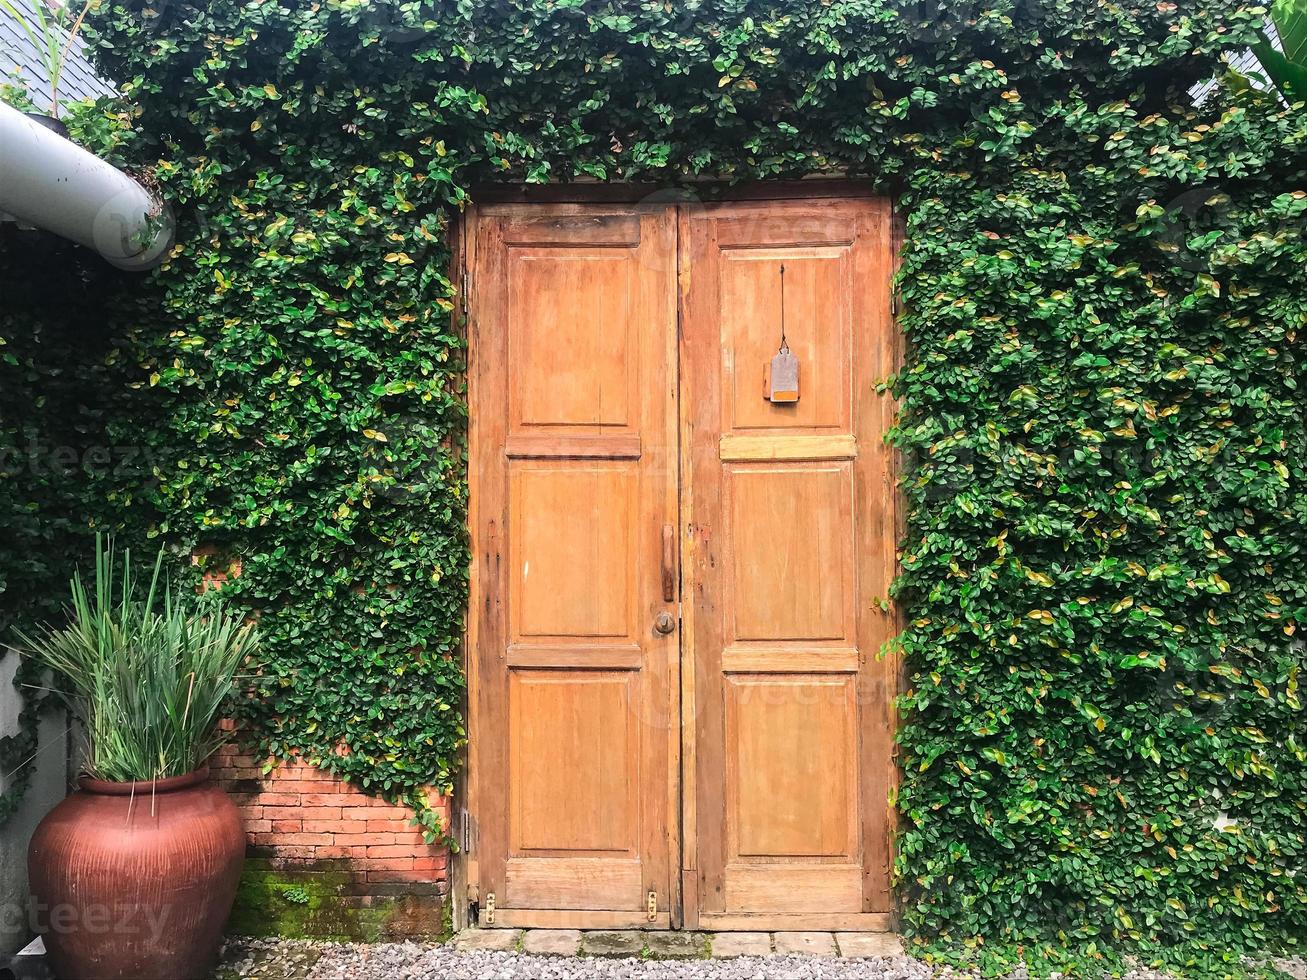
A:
(664, 623)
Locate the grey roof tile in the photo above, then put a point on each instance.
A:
(21, 59)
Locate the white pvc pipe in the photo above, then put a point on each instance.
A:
(50, 183)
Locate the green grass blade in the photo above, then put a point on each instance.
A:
(149, 673)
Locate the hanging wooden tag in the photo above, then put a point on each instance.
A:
(783, 378)
(781, 384)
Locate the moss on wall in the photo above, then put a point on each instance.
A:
(320, 901)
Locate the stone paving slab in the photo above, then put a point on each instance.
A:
(728, 945)
(487, 940)
(624, 943)
(807, 943)
(552, 942)
(857, 945)
(675, 945)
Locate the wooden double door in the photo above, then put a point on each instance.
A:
(681, 709)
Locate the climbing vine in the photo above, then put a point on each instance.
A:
(1103, 288)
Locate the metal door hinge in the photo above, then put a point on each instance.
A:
(490, 908)
(468, 827)
(653, 905)
(464, 286)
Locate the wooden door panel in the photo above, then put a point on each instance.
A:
(790, 553)
(573, 578)
(815, 281)
(571, 780)
(573, 745)
(579, 885)
(790, 532)
(820, 896)
(573, 330)
(790, 796)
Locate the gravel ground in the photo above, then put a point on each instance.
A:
(294, 960)
(286, 960)
(417, 963)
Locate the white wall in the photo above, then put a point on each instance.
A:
(47, 787)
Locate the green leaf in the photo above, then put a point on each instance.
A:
(1290, 18)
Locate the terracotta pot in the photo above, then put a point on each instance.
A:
(136, 880)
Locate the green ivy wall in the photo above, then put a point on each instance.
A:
(1103, 285)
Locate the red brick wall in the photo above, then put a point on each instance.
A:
(301, 822)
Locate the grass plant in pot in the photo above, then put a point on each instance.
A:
(134, 875)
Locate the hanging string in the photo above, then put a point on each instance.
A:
(785, 346)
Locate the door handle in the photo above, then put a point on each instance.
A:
(669, 563)
(664, 623)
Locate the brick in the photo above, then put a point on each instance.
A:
(389, 826)
(287, 840)
(267, 851)
(413, 838)
(370, 840)
(405, 889)
(392, 864)
(335, 827)
(319, 812)
(360, 901)
(276, 799)
(258, 826)
(398, 876)
(318, 775)
(387, 850)
(328, 799)
(335, 868)
(296, 786)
